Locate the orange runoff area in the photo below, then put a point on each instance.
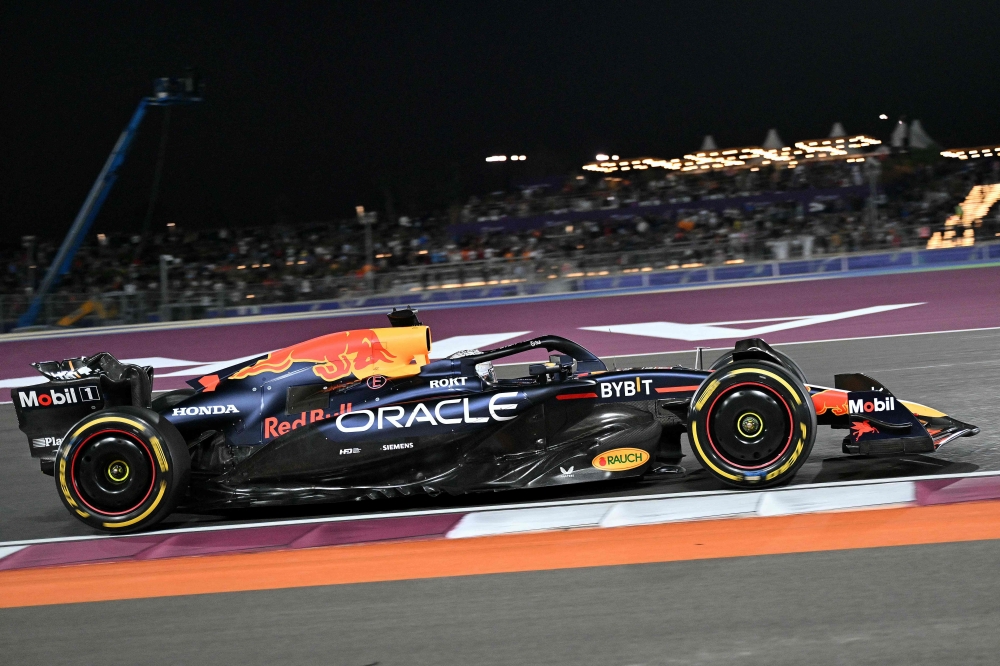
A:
(401, 560)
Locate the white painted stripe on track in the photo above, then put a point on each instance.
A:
(776, 344)
(9, 550)
(810, 342)
(498, 507)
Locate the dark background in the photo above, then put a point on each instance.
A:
(313, 108)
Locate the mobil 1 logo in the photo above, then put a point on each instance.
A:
(878, 415)
(55, 397)
(870, 403)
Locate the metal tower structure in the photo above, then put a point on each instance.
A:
(166, 92)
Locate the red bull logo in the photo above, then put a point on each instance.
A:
(861, 428)
(830, 400)
(333, 356)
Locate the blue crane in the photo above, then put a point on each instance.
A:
(166, 92)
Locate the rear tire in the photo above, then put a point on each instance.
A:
(122, 469)
(752, 424)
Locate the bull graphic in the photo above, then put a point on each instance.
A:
(334, 356)
(860, 428)
(831, 400)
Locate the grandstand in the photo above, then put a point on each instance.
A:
(772, 151)
(710, 208)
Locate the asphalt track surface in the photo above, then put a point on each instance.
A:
(931, 604)
(926, 604)
(958, 373)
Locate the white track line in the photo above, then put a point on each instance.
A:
(776, 344)
(509, 507)
(812, 342)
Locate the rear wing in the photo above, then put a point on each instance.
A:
(76, 387)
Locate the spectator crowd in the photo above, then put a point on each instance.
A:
(617, 222)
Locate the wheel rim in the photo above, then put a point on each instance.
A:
(118, 471)
(749, 425)
(112, 472)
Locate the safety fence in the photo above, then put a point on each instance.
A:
(654, 269)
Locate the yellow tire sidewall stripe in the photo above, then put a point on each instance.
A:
(144, 514)
(111, 419)
(160, 458)
(706, 394)
(767, 373)
(705, 459)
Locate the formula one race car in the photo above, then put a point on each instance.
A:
(366, 414)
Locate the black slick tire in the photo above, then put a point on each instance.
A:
(122, 469)
(752, 424)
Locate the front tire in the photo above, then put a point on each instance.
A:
(752, 424)
(122, 469)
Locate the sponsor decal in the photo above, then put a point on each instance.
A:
(576, 396)
(43, 442)
(397, 447)
(450, 381)
(397, 416)
(619, 460)
(79, 373)
(205, 410)
(272, 428)
(862, 428)
(376, 382)
(566, 472)
(863, 406)
(60, 396)
(209, 382)
(677, 389)
(625, 389)
(88, 393)
(830, 400)
(334, 356)
(349, 452)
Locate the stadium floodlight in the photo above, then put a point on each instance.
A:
(882, 116)
(601, 157)
(496, 158)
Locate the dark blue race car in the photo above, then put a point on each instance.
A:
(366, 414)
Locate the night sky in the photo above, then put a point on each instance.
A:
(313, 108)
